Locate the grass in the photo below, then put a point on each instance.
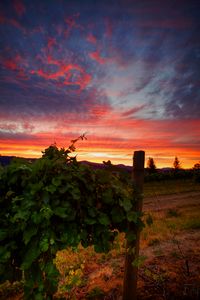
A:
(170, 222)
(192, 224)
(172, 212)
(167, 187)
(166, 227)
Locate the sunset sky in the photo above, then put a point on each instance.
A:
(125, 72)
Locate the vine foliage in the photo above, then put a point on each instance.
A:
(53, 203)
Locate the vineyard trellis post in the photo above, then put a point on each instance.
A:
(132, 247)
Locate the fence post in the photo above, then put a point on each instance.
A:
(131, 271)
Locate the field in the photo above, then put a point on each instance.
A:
(169, 263)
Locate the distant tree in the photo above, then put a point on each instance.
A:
(197, 166)
(176, 164)
(151, 165)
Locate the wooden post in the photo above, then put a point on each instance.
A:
(132, 248)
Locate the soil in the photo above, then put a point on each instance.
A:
(171, 270)
(164, 202)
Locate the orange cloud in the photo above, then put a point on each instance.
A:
(110, 136)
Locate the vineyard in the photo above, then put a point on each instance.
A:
(55, 203)
(64, 228)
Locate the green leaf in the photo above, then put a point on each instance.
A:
(56, 181)
(60, 212)
(63, 189)
(104, 219)
(36, 187)
(21, 215)
(138, 262)
(3, 234)
(39, 296)
(51, 188)
(75, 192)
(31, 255)
(107, 196)
(117, 215)
(131, 236)
(90, 221)
(132, 216)
(29, 233)
(44, 244)
(92, 212)
(46, 211)
(126, 204)
(50, 269)
(9, 193)
(37, 217)
(4, 254)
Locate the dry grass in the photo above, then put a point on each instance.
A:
(167, 187)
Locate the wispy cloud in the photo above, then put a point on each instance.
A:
(19, 7)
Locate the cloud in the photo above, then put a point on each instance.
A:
(97, 57)
(71, 22)
(13, 22)
(19, 7)
(133, 111)
(171, 23)
(51, 43)
(91, 38)
(184, 100)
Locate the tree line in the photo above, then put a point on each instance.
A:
(151, 166)
(175, 172)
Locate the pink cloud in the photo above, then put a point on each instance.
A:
(9, 127)
(52, 61)
(134, 110)
(19, 7)
(91, 38)
(17, 64)
(99, 110)
(11, 22)
(109, 27)
(97, 57)
(10, 64)
(51, 43)
(28, 126)
(81, 78)
(71, 23)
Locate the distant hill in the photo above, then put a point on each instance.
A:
(5, 160)
(94, 165)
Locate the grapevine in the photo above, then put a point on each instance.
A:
(53, 203)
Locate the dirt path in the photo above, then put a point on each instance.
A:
(162, 202)
(176, 260)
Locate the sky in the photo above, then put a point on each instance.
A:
(125, 72)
